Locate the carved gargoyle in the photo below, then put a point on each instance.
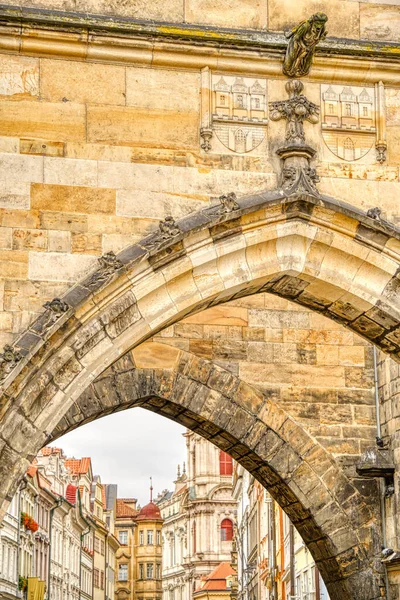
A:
(55, 308)
(9, 359)
(302, 42)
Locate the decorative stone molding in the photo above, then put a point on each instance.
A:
(167, 230)
(303, 40)
(233, 112)
(297, 174)
(109, 264)
(9, 359)
(54, 310)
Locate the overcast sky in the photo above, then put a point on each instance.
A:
(127, 448)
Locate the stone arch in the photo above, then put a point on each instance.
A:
(305, 247)
(337, 523)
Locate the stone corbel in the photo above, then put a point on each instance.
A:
(381, 141)
(206, 131)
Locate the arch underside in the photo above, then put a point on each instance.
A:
(338, 524)
(309, 249)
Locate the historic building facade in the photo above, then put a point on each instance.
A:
(202, 219)
(273, 562)
(139, 559)
(199, 517)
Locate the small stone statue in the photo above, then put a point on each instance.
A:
(228, 203)
(302, 42)
(109, 263)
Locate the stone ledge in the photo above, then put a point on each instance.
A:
(161, 44)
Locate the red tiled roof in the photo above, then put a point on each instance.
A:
(78, 466)
(70, 493)
(123, 510)
(48, 450)
(216, 581)
(32, 471)
(149, 512)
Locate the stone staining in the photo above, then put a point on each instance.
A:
(237, 113)
(302, 42)
(348, 120)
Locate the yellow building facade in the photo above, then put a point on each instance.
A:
(139, 558)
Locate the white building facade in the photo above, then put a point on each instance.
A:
(199, 519)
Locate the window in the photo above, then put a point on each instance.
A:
(226, 530)
(256, 103)
(102, 548)
(348, 110)
(222, 100)
(141, 571)
(330, 109)
(102, 580)
(158, 571)
(349, 149)
(141, 537)
(149, 570)
(123, 572)
(96, 544)
(96, 578)
(225, 463)
(365, 111)
(123, 537)
(158, 538)
(239, 101)
(150, 537)
(194, 538)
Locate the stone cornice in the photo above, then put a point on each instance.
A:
(160, 44)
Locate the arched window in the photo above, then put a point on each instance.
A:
(240, 141)
(225, 463)
(226, 530)
(349, 149)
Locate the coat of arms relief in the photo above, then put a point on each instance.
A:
(353, 121)
(234, 112)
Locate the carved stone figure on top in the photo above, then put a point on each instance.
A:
(302, 42)
(8, 360)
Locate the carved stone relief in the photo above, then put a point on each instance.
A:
(234, 112)
(351, 120)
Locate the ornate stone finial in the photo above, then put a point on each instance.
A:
(206, 134)
(168, 228)
(9, 359)
(297, 174)
(179, 472)
(184, 469)
(295, 110)
(302, 42)
(228, 203)
(381, 152)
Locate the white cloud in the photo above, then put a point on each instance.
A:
(127, 448)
